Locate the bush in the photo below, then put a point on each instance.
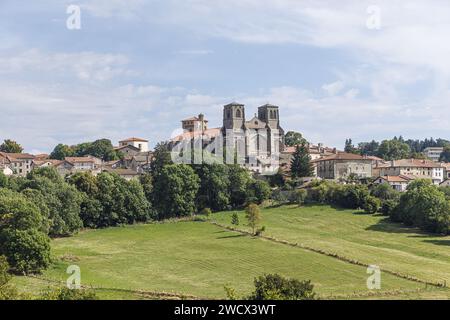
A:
(276, 287)
(65, 293)
(206, 212)
(299, 196)
(371, 205)
(235, 219)
(388, 207)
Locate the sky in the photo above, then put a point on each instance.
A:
(337, 69)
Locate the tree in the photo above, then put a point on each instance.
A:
(368, 148)
(62, 199)
(393, 149)
(258, 191)
(161, 158)
(293, 138)
(253, 216)
(22, 241)
(102, 149)
(349, 147)
(146, 181)
(424, 206)
(235, 219)
(301, 162)
(10, 146)
(240, 180)
(384, 191)
(276, 287)
(175, 190)
(214, 189)
(61, 151)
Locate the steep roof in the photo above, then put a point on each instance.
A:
(17, 156)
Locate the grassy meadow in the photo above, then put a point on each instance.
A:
(197, 259)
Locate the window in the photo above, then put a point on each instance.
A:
(238, 113)
(228, 114)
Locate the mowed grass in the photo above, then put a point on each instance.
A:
(198, 258)
(370, 239)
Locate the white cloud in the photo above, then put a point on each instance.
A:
(333, 88)
(87, 66)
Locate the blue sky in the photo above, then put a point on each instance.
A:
(137, 67)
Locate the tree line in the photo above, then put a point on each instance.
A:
(44, 204)
(398, 148)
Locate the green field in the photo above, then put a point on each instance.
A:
(198, 258)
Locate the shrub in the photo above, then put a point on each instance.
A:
(276, 287)
(388, 206)
(371, 205)
(299, 196)
(65, 293)
(206, 212)
(235, 219)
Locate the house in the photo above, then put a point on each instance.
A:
(45, 163)
(138, 143)
(342, 165)
(433, 153)
(399, 183)
(128, 150)
(414, 168)
(20, 163)
(446, 167)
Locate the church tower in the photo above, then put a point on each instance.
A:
(233, 116)
(269, 114)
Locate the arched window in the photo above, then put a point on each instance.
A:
(228, 114)
(272, 114)
(238, 113)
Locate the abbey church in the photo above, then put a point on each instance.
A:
(256, 142)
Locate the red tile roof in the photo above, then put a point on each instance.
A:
(134, 139)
